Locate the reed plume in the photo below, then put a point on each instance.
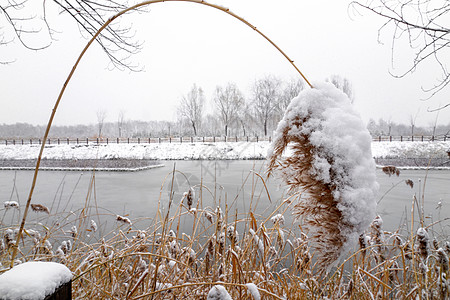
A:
(322, 147)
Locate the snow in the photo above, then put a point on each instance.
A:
(164, 151)
(196, 151)
(33, 280)
(252, 289)
(218, 292)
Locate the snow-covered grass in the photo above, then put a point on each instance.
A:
(195, 151)
(192, 251)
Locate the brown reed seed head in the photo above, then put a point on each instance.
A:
(409, 183)
(39, 208)
(391, 170)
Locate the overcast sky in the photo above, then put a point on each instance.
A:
(187, 43)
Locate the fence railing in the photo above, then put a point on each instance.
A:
(413, 138)
(140, 140)
(189, 139)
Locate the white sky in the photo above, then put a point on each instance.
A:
(187, 43)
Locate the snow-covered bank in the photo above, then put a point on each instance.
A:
(195, 151)
(163, 151)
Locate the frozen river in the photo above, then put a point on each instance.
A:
(137, 194)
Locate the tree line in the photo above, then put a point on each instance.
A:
(233, 114)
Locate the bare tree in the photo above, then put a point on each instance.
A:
(101, 116)
(343, 84)
(191, 107)
(424, 24)
(25, 19)
(266, 98)
(120, 122)
(291, 90)
(228, 101)
(412, 122)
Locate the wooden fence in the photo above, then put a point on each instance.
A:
(414, 138)
(67, 141)
(153, 140)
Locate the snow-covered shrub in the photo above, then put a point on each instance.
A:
(322, 146)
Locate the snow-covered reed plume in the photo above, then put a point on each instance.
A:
(321, 146)
(40, 208)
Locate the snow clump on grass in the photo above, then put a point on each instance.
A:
(322, 146)
(218, 292)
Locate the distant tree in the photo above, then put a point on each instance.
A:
(120, 122)
(191, 107)
(228, 102)
(412, 122)
(291, 90)
(423, 24)
(343, 84)
(266, 98)
(245, 118)
(101, 116)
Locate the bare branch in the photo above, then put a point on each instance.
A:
(424, 23)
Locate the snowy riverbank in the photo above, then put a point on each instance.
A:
(196, 151)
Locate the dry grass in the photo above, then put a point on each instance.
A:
(169, 260)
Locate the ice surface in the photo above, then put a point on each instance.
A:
(33, 280)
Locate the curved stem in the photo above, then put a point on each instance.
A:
(94, 37)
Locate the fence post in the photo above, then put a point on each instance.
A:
(432, 138)
(139, 140)
(192, 139)
(14, 142)
(117, 140)
(412, 138)
(214, 139)
(247, 138)
(49, 141)
(203, 139)
(401, 138)
(39, 141)
(6, 142)
(257, 139)
(181, 139)
(87, 141)
(149, 140)
(159, 140)
(48, 288)
(31, 142)
(390, 138)
(170, 140)
(107, 141)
